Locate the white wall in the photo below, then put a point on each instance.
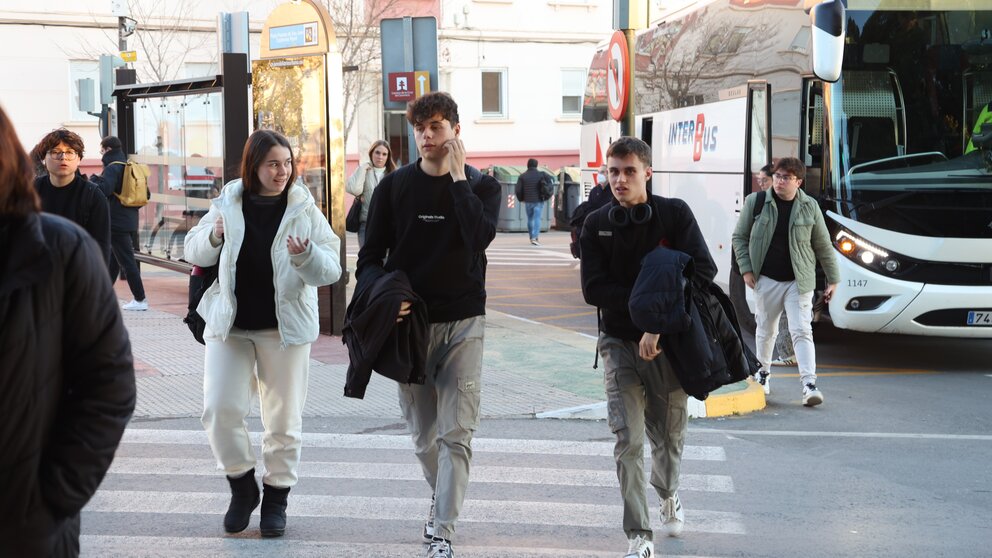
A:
(533, 40)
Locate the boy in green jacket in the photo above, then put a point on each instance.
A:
(777, 254)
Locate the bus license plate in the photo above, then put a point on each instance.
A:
(980, 318)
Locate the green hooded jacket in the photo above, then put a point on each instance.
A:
(809, 240)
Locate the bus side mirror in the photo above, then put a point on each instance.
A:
(829, 23)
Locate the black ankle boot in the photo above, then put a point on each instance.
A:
(244, 500)
(273, 522)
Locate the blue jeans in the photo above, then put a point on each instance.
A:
(534, 218)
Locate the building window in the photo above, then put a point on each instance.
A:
(82, 69)
(494, 93)
(573, 82)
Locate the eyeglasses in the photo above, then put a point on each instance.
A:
(67, 155)
(784, 177)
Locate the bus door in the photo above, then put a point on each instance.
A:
(699, 156)
(757, 152)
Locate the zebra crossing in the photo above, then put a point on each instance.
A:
(364, 495)
(531, 256)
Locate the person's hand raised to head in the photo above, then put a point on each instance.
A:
(456, 158)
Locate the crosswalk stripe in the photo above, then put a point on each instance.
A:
(109, 545)
(556, 514)
(413, 472)
(403, 442)
(530, 263)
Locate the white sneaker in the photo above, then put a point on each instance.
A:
(429, 525)
(788, 361)
(136, 305)
(639, 547)
(811, 396)
(764, 379)
(672, 517)
(440, 548)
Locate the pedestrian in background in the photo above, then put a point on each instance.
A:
(273, 248)
(777, 254)
(433, 219)
(68, 377)
(66, 192)
(642, 390)
(533, 189)
(123, 222)
(785, 353)
(366, 177)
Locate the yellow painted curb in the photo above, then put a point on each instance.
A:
(736, 402)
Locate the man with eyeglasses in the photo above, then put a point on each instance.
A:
(66, 192)
(783, 341)
(777, 253)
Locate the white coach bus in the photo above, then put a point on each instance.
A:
(724, 86)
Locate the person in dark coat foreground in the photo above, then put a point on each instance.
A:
(67, 377)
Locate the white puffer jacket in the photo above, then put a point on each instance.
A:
(296, 277)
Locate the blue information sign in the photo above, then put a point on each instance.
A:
(292, 36)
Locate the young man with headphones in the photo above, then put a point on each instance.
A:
(642, 390)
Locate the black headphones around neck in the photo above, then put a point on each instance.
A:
(621, 217)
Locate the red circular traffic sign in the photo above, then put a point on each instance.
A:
(617, 85)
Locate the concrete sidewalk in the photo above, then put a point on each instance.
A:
(529, 369)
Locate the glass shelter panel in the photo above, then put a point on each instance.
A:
(290, 97)
(181, 140)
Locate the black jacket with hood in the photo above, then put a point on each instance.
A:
(697, 323)
(376, 341)
(611, 257)
(67, 386)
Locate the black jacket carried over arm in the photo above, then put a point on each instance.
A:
(611, 257)
(122, 219)
(437, 231)
(67, 386)
(377, 342)
(698, 327)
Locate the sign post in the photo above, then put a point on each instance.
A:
(409, 70)
(628, 17)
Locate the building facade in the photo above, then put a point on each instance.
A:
(516, 67)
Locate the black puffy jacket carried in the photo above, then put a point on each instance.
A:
(611, 257)
(67, 387)
(376, 341)
(697, 323)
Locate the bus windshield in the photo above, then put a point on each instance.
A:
(915, 87)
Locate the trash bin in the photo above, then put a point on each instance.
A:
(567, 197)
(512, 212)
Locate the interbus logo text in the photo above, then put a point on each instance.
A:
(696, 132)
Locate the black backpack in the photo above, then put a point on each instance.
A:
(200, 279)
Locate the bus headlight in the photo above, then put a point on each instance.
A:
(866, 254)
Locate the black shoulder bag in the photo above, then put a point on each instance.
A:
(200, 279)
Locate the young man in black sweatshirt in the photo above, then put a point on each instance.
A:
(642, 390)
(428, 220)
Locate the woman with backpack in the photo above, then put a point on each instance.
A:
(366, 177)
(273, 248)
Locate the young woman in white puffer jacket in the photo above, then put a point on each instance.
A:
(274, 248)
